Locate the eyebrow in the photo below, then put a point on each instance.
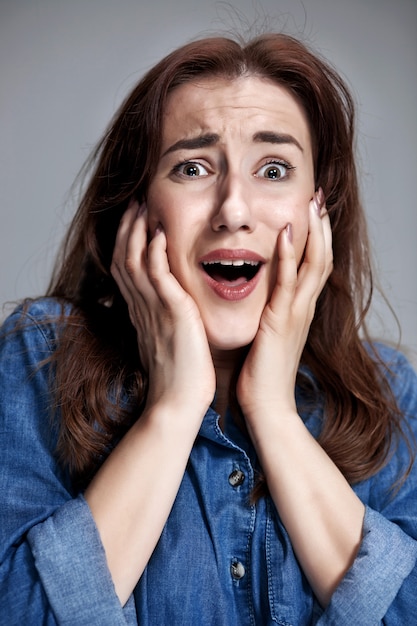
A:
(210, 139)
(194, 143)
(276, 138)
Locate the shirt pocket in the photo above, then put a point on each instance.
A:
(291, 599)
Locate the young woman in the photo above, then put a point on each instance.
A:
(195, 427)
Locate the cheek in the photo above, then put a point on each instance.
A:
(300, 239)
(297, 214)
(300, 222)
(169, 208)
(163, 201)
(156, 208)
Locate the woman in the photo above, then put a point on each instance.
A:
(194, 429)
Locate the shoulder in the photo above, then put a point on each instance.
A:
(28, 340)
(387, 354)
(398, 373)
(34, 322)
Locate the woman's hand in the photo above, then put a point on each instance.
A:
(317, 506)
(132, 493)
(172, 341)
(267, 381)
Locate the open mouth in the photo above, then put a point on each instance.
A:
(233, 272)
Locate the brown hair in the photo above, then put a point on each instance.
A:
(100, 384)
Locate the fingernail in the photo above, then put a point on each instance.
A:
(158, 229)
(288, 230)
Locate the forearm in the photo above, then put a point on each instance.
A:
(132, 494)
(322, 514)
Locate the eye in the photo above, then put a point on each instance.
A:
(274, 170)
(190, 169)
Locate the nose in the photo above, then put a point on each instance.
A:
(233, 211)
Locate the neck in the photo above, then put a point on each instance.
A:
(225, 364)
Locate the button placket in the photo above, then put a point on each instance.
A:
(240, 480)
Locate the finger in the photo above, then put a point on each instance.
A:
(325, 244)
(314, 269)
(119, 253)
(133, 266)
(286, 277)
(127, 218)
(129, 267)
(328, 243)
(166, 286)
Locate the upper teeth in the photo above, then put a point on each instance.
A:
(235, 262)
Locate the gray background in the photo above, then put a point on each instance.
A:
(66, 65)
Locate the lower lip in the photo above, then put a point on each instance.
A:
(233, 293)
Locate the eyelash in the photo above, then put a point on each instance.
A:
(277, 162)
(176, 169)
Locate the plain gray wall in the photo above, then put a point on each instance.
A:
(66, 65)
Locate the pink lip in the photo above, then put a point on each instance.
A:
(232, 292)
(223, 254)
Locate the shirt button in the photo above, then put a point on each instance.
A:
(236, 478)
(237, 570)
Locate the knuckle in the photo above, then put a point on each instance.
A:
(290, 285)
(129, 266)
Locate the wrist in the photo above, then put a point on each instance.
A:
(265, 410)
(174, 414)
(273, 424)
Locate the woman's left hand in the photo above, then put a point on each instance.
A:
(266, 384)
(320, 511)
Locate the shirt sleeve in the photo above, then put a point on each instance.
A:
(53, 568)
(384, 575)
(381, 585)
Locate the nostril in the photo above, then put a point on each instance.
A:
(231, 227)
(233, 217)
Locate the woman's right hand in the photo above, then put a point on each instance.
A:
(172, 341)
(130, 497)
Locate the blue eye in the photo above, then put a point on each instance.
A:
(190, 169)
(275, 170)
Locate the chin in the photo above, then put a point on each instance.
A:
(221, 340)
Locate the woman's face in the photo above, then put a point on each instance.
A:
(235, 168)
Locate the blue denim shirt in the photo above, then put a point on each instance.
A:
(220, 560)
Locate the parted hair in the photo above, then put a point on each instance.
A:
(100, 385)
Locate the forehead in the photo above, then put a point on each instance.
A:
(238, 107)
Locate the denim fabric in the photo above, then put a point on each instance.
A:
(220, 560)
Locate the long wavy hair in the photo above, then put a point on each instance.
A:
(100, 383)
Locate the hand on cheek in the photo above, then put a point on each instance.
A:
(171, 338)
(267, 379)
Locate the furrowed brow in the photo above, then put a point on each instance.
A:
(193, 143)
(276, 138)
